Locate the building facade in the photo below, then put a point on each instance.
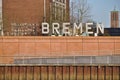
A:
(24, 17)
(114, 19)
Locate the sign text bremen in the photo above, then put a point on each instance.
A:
(66, 28)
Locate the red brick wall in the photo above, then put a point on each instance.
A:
(57, 46)
(23, 11)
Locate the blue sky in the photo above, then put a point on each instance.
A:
(100, 10)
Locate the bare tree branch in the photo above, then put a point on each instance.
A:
(81, 11)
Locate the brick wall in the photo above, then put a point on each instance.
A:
(23, 11)
(57, 46)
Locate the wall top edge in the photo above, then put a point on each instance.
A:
(4, 65)
(51, 37)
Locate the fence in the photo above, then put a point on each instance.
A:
(70, 60)
(37, 72)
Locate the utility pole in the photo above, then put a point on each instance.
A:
(78, 16)
(0, 30)
(1, 25)
(44, 18)
(72, 18)
(72, 11)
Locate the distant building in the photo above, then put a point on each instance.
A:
(114, 19)
(112, 32)
(24, 17)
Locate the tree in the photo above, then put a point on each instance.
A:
(83, 10)
(80, 11)
(73, 7)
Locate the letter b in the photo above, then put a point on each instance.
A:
(45, 28)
